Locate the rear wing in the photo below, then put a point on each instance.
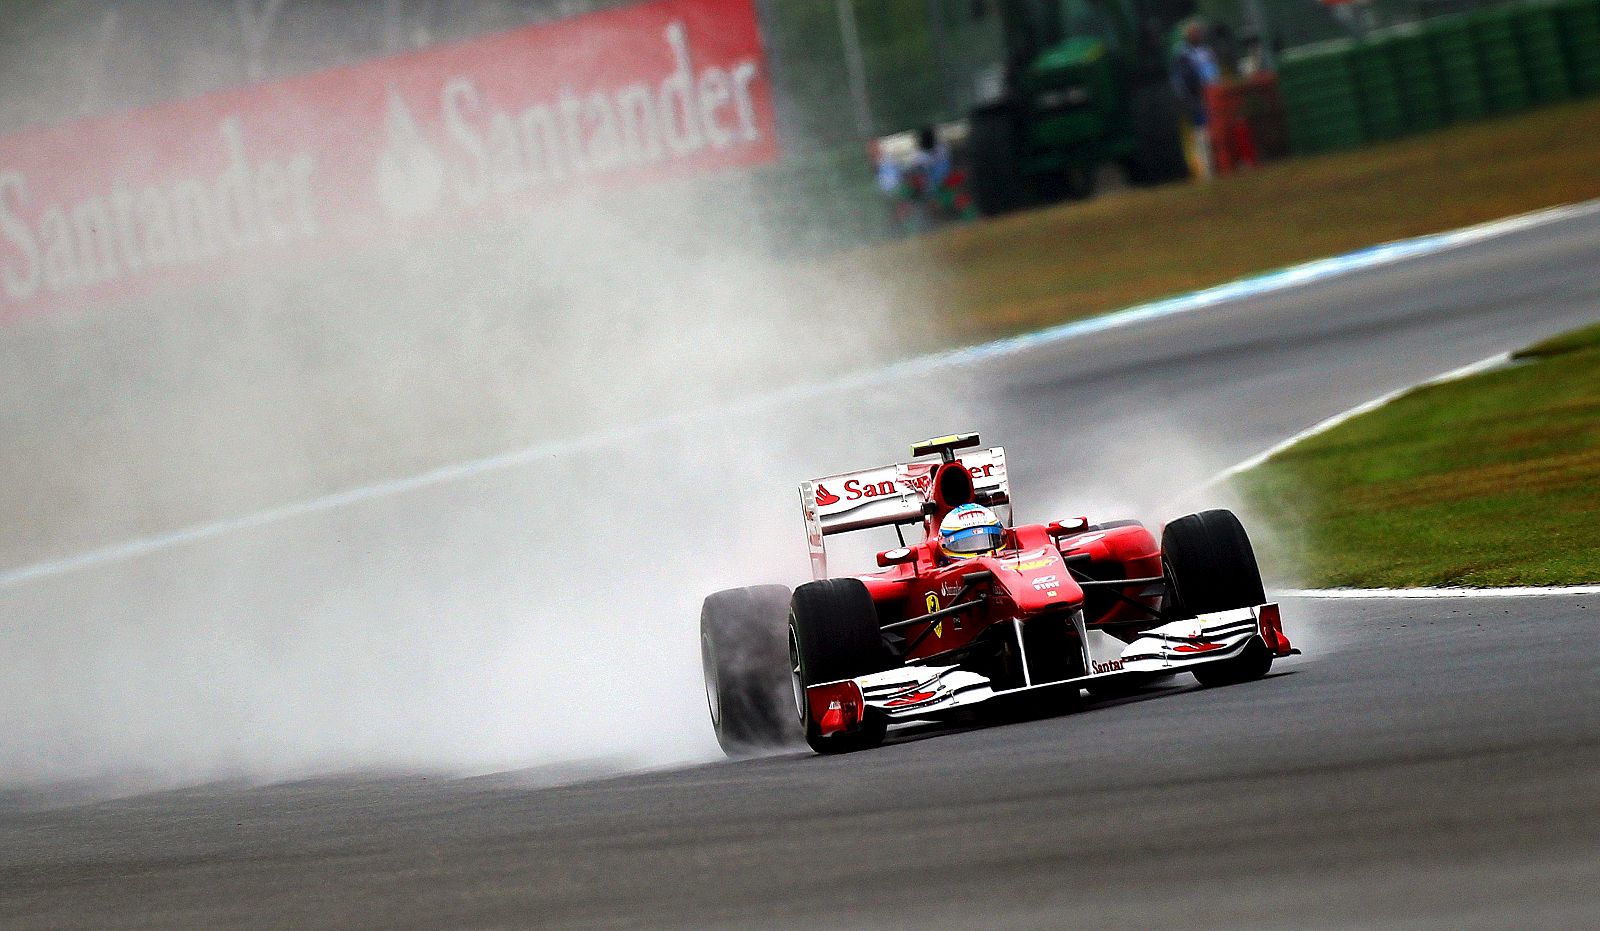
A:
(889, 495)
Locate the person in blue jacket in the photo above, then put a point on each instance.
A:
(1194, 68)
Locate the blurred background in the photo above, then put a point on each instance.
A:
(315, 314)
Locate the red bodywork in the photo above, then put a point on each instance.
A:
(1030, 580)
(1056, 606)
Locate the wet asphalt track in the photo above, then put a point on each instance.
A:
(1426, 764)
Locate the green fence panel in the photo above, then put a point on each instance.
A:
(1456, 59)
(1505, 84)
(1539, 41)
(1578, 23)
(1378, 93)
(1321, 98)
(1415, 76)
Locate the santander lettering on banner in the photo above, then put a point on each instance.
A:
(631, 126)
(503, 124)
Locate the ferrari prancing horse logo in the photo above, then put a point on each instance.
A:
(933, 605)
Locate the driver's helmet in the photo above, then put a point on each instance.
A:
(970, 530)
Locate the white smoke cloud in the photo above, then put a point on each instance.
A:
(514, 613)
(510, 616)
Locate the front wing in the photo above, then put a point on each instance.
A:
(931, 691)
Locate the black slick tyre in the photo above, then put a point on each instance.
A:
(1210, 564)
(833, 635)
(744, 654)
(1211, 567)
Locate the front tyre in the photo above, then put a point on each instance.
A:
(833, 635)
(744, 655)
(1252, 664)
(1210, 564)
(1211, 567)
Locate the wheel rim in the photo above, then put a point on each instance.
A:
(708, 662)
(795, 678)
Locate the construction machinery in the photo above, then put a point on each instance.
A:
(1084, 87)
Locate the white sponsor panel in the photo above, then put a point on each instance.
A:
(1105, 652)
(916, 690)
(895, 492)
(885, 495)
(1187, 643)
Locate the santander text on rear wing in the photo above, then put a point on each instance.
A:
(889, 495)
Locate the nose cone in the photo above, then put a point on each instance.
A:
(1037, 581)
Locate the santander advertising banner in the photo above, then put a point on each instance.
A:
(110, 207)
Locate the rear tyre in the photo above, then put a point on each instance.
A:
(744, 655)
(833, 635)
(1212, 567)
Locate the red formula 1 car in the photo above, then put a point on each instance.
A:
(1055, 609)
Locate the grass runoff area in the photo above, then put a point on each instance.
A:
(1031, 270)
(1486, 481)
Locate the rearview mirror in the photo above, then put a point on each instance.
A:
(1060, 528)
(895, 557)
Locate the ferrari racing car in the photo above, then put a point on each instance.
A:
(979, 611)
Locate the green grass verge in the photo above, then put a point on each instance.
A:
(1043, 267)
(1490, 480)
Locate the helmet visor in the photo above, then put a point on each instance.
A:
(973, 540)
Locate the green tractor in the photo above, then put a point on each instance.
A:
(1084, 86)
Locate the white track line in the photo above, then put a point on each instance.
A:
(1254, 286)
(1362, 593)
(1284, 279)
(1465, 371)
(1482, 365)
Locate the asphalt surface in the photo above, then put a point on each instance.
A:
(1425, 764)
